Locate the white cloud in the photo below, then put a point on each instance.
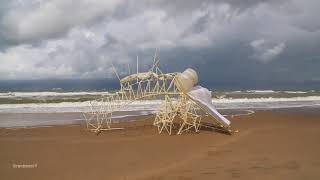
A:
(79, 39)
(76, 56)
(49, 18)
(266, 52)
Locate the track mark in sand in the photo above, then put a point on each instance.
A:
(196, 156)
(71, 139)
(291, 165)
(264, 168)
(235, 173)
(209, 173)
(216, 153)
(184, 178)
(268, 168)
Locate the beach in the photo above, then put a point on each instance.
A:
(159, 90)
(270, 144)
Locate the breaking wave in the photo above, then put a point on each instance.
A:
(222, 103)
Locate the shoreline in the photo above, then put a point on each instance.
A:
(33, 120)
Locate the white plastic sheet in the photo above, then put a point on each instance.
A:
(202, 96)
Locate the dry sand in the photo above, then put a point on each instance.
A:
(270, 145)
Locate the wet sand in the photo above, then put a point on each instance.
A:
(270, 145)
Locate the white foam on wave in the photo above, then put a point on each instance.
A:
(47, 94)
(270, 99)
(252, 91)
(103, 93)
(268, 92)
(73, 107)
(261, 91)
(267, 103)
(223, 103)
(296, 92)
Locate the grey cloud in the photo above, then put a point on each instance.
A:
(28, 21)
(218, 38)
(50, 19)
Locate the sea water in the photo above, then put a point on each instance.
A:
(55, 102)
(32, 108)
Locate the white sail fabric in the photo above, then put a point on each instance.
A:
(202, 96)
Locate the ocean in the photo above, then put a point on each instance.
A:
(74, 97)
(54, 102)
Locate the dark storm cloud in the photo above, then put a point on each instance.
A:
(225, 40)
(29, 21)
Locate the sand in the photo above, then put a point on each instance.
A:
(270, 145)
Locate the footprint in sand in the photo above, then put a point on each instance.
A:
(292, 165)
(235, 173)
(218, 152)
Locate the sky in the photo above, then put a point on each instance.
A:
(224, 40)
